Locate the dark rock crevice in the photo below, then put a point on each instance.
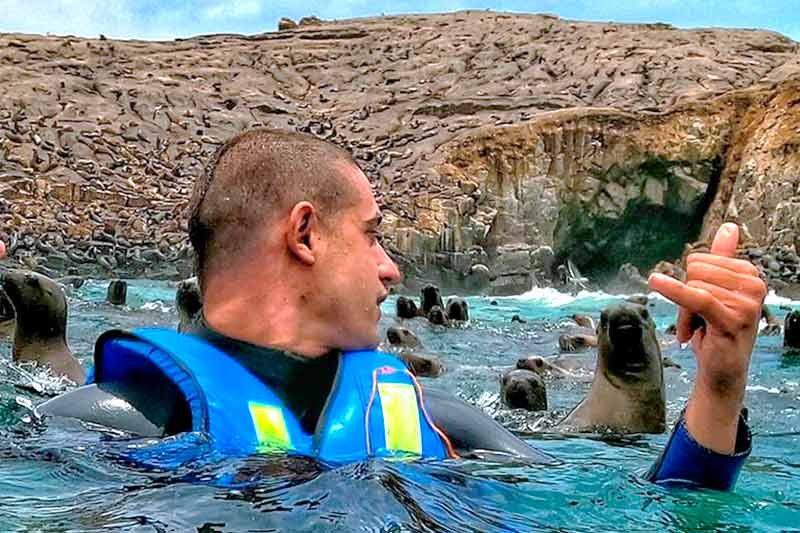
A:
(660, 208)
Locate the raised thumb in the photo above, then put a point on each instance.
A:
(725, 240)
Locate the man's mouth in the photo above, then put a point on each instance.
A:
(379, 301)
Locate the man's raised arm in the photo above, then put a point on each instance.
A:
(712, 440)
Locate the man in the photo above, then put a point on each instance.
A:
(292, 270)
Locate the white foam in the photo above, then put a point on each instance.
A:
(774, 299)
(549, 297)
(753, 388)
(157, 305)
(29, 375)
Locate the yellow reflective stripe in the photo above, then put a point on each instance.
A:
(270, 426)
(401, 417)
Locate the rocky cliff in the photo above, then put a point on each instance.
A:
(499, 145)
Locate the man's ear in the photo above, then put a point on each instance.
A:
(302, 224)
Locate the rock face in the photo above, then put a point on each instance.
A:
(605, 188)
(499, 145)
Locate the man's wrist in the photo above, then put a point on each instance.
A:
(722, 406)
(713, 421)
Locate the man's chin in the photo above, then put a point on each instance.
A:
(367, 343)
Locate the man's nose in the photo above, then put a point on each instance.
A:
(388, 270)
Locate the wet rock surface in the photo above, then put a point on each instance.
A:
(499, 145)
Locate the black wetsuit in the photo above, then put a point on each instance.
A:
(303, 384)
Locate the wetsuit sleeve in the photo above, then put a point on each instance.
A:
(473, 433)
(138, 408)
(684, 462)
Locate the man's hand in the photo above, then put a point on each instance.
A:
(2, 249)
(727, 293)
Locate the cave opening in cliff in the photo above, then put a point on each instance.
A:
(645, 231)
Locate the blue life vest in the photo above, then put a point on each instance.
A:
(374, 408)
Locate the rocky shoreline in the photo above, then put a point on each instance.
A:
(500, 146)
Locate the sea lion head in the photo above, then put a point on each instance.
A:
(534, 364)
(457, 309)
(6, 308)
(583, 320)
(573, 343)
(39, 303)
(401, 337)
(523, 389)
(791, 330)
(188, 300)
(423, 367)
(430, 297)
(406, 308)
(438, 317)
(628, 351)
(640, 299)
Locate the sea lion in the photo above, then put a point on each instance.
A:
(189, 303)
(479, 277)
(430, 297)
(773, 326)
(117, 293)
(541, 366)
(7, 316)
(583, 320)
(640, 299)
(627, 393)
(523, 389)
(573, 343)
(517, 318)
(71, 282)
(669, 269)
(457, 309)
(438, 317)
(402, 337)
(422, 366)
(791, 330)
(41, 324)
(406, 308)
(695, 322)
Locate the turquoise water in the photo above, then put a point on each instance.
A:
(61, 477)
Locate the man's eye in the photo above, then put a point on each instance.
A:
(376, 237)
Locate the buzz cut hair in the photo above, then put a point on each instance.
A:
(258, 175)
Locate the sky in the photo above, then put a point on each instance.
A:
(168, 19)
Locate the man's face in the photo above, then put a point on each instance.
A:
(354, 271)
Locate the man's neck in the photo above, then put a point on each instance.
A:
(274, 320)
